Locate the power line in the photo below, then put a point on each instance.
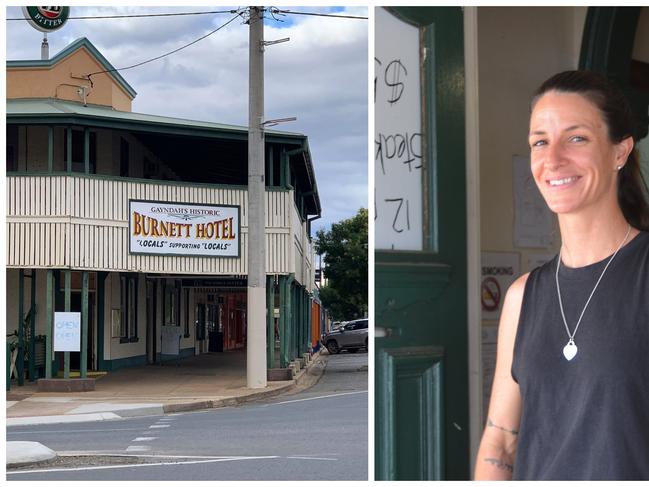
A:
(170, 52)
(176, 14)
(293, 12)
(211, 12)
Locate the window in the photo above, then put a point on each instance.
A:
(128, 291)
(171, 303)
(78, 141)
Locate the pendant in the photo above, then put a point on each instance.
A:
(570, 350)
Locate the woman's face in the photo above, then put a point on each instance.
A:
(573, 161)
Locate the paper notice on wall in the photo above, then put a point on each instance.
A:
(489, 345)
(499, 270)
(170, 340)
(67, 332)
(533, 221)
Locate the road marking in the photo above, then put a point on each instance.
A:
(138, 448)
(319, 397)
(107, 467)
(146, 438)
(70, 431)
(159, 426)
(313, 458)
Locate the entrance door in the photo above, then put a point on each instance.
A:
(421, 383)
(75, 306)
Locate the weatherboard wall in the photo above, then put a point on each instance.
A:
(81, 222)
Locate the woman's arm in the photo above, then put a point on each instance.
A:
(497, 450)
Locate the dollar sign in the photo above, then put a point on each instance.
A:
(392, 79)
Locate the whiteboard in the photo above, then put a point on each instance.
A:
(397, 135)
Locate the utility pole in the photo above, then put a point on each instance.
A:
(256, 315)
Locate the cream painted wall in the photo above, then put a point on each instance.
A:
(518, 49)
(63, 79)
(118, 350)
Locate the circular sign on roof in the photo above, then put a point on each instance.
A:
(46, 19)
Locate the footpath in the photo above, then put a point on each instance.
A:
(191, 384)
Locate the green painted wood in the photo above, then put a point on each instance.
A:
(68, 165)
(101, 299)
(298, 321)
(20, 359)
(607, 47)
(294, 317)
(32, 328)
(56, 363)
(270, 170)
(282, 322)
(165, 127)
(49, 314)
(308, 322)
(607, 42)
(86, 150)
(421, 406)
(83, 366)
(68, 299)
(270, 322)
(50, 149)
(414, 375)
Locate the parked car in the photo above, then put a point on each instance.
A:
(352, 336)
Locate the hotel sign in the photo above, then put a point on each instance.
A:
(163, 228)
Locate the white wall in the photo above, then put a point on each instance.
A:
(113, 349)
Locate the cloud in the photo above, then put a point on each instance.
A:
(319, 76)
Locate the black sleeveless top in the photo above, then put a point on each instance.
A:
(587, 419)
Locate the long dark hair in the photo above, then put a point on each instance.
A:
(632, 191)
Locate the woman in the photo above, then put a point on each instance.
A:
(570, 394)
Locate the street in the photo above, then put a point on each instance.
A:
(316, 434)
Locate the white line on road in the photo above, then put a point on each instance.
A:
(319, 397)
(159, 426)
(313, 458)
(146, 438)
(107, 467)
(138, 448)
(9, 433)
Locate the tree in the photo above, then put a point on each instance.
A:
(345, 256)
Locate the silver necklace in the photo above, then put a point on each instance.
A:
(570, 350)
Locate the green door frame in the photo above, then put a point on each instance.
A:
(421, 298)
(607, 47)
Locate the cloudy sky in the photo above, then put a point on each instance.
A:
(320, 77)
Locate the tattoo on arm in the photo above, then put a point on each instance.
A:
(493, 425)
(499, 464)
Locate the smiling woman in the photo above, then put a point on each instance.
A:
(580, 414)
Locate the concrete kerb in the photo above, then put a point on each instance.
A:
(20, 453)
(299, 379)
(303, 377)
